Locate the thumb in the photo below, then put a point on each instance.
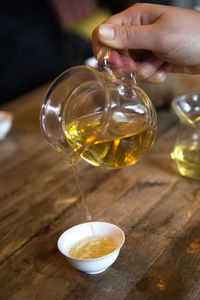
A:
(127, 37)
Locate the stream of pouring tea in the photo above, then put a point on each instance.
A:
(83, 199)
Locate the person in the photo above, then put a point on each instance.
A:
(35, 48)
(161, 39)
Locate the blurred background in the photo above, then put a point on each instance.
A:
(39, 39)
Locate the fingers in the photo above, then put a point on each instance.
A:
(137, 14)
(126, 67)
(136, 28)
(96, 45)
(154, 29)
(123, 62)
(127, 37)
(159, 75)
(148, 66)
(130, 29)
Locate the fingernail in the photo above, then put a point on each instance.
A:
(106, 32)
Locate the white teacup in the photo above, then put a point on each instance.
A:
(89, 230)
(6, 119)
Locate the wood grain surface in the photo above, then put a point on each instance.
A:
(158, 210)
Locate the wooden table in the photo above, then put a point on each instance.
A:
(158, 210)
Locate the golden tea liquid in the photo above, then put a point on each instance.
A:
(187, 159)
(125, 141)
(88, 215)
(93, 247)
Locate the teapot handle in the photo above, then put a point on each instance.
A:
(117, 64)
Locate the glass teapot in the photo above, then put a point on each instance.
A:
(186, 151)
(99, 114)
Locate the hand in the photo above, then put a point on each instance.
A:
(161, 39)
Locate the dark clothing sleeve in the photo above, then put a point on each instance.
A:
(34, 48)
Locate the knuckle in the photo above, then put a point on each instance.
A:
(127, 35)
(162, 41)
(139, 5)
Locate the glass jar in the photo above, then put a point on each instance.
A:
(186, 151)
